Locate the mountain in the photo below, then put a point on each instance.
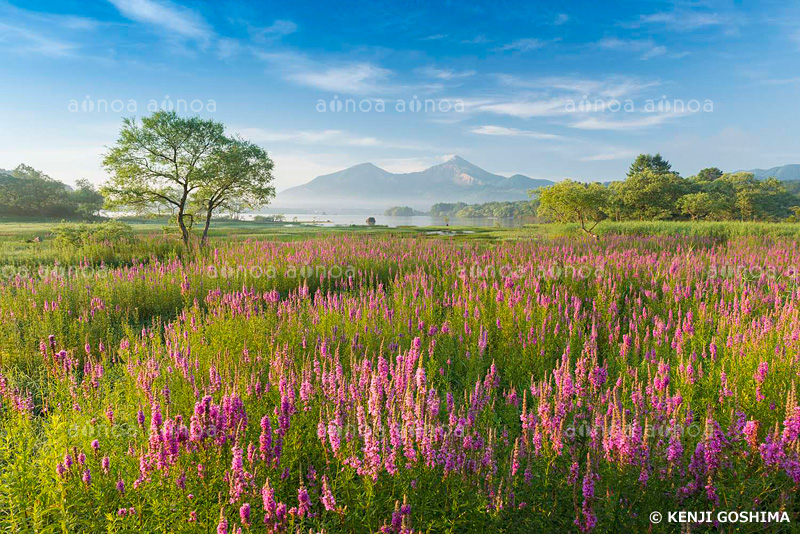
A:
(366, 185)
(784, 173)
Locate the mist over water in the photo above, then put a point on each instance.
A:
(394, 221)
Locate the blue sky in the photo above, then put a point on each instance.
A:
(513, 75)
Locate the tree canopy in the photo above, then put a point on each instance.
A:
(653, 191)
(188, 165)
(28, 192)
(570, 201)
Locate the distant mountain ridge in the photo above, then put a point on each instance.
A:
(367, 185)
(784, 173)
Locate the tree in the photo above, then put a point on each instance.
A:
(162, 160)
(88, 201)
(697, 205)
(238, 176)
(570, 201)
(647, 162)
(708, 175)
(772, 201)
(32, 192)
(651, 194)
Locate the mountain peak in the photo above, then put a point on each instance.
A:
(454, 180)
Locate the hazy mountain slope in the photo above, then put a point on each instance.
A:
(366, 185)
(783, 173)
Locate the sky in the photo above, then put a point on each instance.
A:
(549, 89)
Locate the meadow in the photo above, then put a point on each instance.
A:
(293, 379)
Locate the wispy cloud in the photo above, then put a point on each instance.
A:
(513, 132)
(354, 78)
(646, 47)
(609, 156)
(27, 40)
(349, 77)
(781, 81)
(321, 138)
(609, 87)
(627, 122)
(478, 39)
(166, 16)
(48, 34)
(276, 30)
(561, 18)
(795, 38)
(684, 20)
(528, 109)
(522, 45)
(445, 74)
(308, 137)
(227, 48)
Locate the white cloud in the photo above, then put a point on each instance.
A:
(276, 30)
(227, 48)
(478, 39)
(356, 78)
(646, 47)
(513, 132)
(682, 21)
(522, 45)
(611, 87)
(780, 81)
(561, 18)
(528, 109)
(654, 52)
(322, 138)
(166, 16)
(634, 123)
(609, 156)
(348, 77)
(281, 27)
(310, 137)
(26, 40)
(445, 74)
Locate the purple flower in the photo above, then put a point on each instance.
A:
(244, 514)
(327, 499)
(222, 526)
(303, 502)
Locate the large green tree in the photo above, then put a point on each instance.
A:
(186, 164)
(238, 176)
(652, 194)
(570, 201)
(160, 160)
(648, 162)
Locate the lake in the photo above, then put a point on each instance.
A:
(392, 221)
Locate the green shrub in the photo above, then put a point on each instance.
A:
(72, 234)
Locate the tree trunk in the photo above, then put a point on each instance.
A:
(204, 239)
(184, 230)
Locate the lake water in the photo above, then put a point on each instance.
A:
(393, 221)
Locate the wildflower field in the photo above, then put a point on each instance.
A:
(386, 383)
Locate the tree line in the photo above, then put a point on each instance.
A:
(28, 192)
(653, 191)
(497, 210)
